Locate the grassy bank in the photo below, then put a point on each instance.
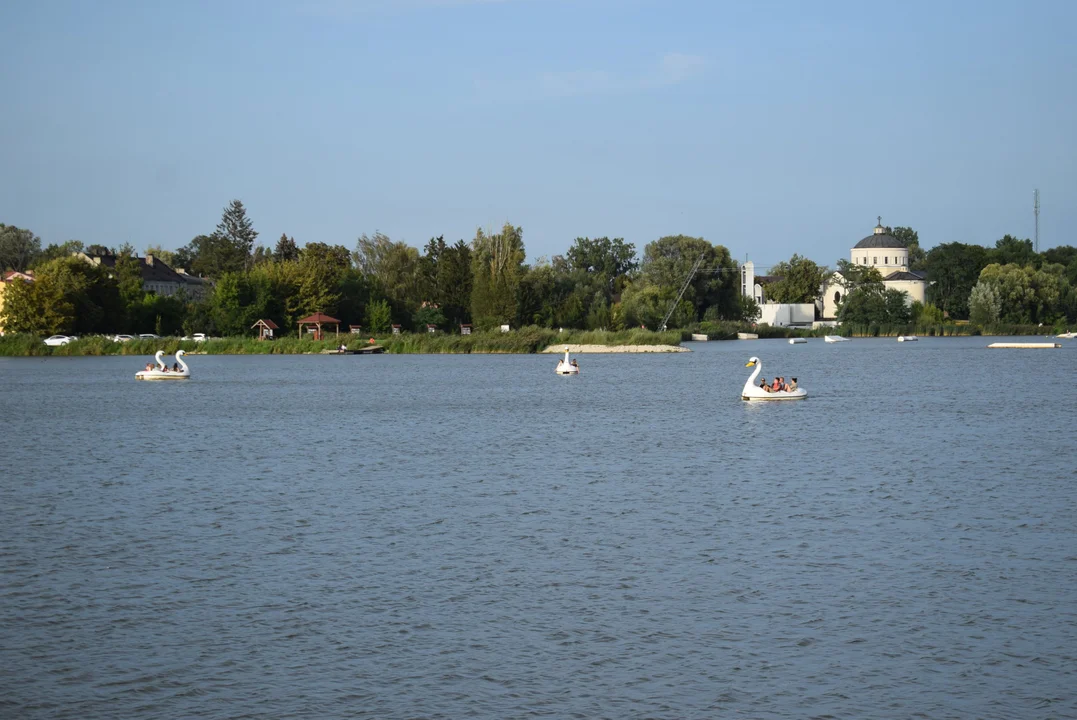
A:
(525, 340)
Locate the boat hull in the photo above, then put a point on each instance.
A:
(158, 375)
(760, 396)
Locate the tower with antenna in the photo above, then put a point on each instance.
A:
(1036, 211)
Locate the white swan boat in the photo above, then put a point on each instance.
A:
(752, 391)
(907, 338)
(1067, 335)
(834, 338)
(161, 372)
(566, 367)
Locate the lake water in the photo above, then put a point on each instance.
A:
(474, 536)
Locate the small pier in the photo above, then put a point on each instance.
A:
(1025, 346)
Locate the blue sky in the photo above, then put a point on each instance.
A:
(768, 127)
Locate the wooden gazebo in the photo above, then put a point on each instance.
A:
(317, 320)
(265, 329)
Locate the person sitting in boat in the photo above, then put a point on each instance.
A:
(149, 367)
(574, 364)
(793, 385)
(777, 386)
(763, 385)
(175, 367)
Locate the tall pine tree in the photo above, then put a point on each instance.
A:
(238, 230)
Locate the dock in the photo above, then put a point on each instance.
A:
(747, 336)
(1025, 346)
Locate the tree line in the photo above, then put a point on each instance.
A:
(597, 283)
(486, 282)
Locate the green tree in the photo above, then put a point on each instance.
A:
(541, 295)
(1013, 251)
(286, 248)
(953, 269)
(911, 239)
(1026, 295)
(238, 230)
(496, 269)
(392, 270)
(127, 273)
(985, 307)
(379, 316)
(667, 263)
(54, 251)
(67, 295)
(445, 279)
(212, 256)
(322, 268)
(19, 248)
(800, 281)
(609, 260)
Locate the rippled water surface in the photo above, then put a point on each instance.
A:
(473, 536)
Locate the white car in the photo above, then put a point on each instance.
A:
(123, 338)
(148, 336)
(197, 337)
(58, 340)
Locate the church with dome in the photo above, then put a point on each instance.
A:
(888, 255)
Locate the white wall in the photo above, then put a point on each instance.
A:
(913, 288)
(887, 260)
(781, 314)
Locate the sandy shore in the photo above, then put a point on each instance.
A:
(582, 349)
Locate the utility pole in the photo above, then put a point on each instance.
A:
(1036, 209)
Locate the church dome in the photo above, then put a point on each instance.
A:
(880, 239)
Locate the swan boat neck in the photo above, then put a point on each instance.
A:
(160, 373)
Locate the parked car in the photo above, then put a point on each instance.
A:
(148, 336)
(197, 337)
(57, 340)
(123, 338)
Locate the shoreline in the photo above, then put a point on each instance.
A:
(596, 349)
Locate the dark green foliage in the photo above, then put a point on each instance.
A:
(497, 265)
(1013, 251)
(800, 281)
(953, 269)
(286, 248)
(18, 248)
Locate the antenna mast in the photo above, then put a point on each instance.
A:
(1036, 209)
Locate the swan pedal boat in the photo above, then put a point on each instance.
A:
(753, 392)
(159, 373)
(564, 367)
(835, 338)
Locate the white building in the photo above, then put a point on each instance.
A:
(771, 313)
(888, 255)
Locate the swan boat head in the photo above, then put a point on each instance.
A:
(565, 367)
